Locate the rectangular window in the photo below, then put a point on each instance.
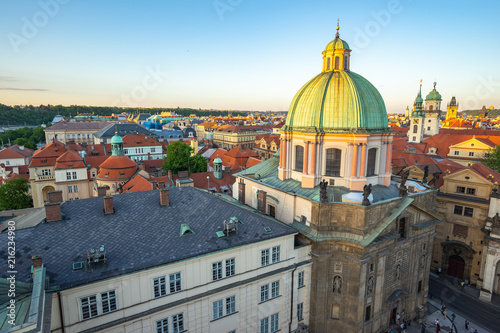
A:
(68, 175)
(230, 267)
(217, 271)
(160, 287)
(74, 174)
(175, 282)
(460, 189)
(333, 162)
(275, 289)
(301, 279)
(299, 158)
(75, 188)
(230, 305)
(264, 325)
(178, 323)
(471, 153)
(419, 289)
(70, 189)
(402, 227)
(89, 307)
(276, 254)
(46, 172)
(468, 211)
(264, 293)
(218, 309)
(471, 191)
(300, 311)
(264, 257)
(153, 150)
(456, 153)
(108, 301)
(458, 210)
(275, 322)
(162, 326)
(368, 313)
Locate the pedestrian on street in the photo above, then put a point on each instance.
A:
(444, 314)
(462, 286)
(466, 325)
(423, 327)
(397, 318)
(439, 271)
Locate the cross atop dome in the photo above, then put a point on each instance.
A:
(338, 27)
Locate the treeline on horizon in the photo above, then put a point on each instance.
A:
(44, 114)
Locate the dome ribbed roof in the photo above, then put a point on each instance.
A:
(338, 101)
(433, 95)
(337, 44)
(116, 139)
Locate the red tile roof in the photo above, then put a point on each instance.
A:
(47, 155)
(15, 152)
(139, 140)
(137, 184)
(252, 161)
(152, 165)
(117, 167)
(68, 160)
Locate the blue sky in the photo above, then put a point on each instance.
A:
(241, 54)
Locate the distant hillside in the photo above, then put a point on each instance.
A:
(491, 113)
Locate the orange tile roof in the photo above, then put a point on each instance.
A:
(139, 140)
(15, 152)
(117, 167)
(252, 161)
(69, 159)
(137, 184)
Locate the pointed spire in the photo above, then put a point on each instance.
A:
(338, 27)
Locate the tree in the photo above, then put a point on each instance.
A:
(25, 142)
(179, 159)
(14, 195)
(492, 158)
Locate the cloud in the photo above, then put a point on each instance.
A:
(7, 78)
(23, 89)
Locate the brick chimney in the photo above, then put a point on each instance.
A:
(55, 196)
(241, 191)
(155, 184)
(161, 184)
(169, 174)
(261, 198)
(101, 191)
(164, 197)
(108, 205)
(36, 262)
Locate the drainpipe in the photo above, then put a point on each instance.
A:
(60, 311)
(291, 300)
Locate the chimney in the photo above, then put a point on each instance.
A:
(155, 184)
(261, 198)
(241, 191)
(169, 174)
(55, 196)
(164, 197)
(149, 154)
(53, 212)
(101, 191)
(36, 262)
(108, 205)
(161, 184)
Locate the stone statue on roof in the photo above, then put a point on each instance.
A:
(367, 190)
(435, 178)
(323, 196)
(426, 173)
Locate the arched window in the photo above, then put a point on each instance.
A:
(328, 64)
(345, 62)
(299, 158)
(372, 159)
(415, 128)
(337, 62)
(431, 107)
(333, 160)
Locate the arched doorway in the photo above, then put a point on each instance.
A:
(456, 266)
(45, 192)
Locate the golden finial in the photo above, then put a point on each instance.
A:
(338, 27)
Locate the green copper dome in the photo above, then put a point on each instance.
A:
(433, 95)
(337, 44)
(338, 101)
(116, 139)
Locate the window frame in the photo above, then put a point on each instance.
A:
(301, 279)
(371, 162)
(297, 167)
(264, 293)
(178, 320)
(162, 326)
(92, 307)
(275, 254)
(265, 257)
(300, 311)
(217, 309)
(275, 289)
(333, 162)
(111, 301)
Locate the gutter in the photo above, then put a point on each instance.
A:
(60, 311)
(291, 300)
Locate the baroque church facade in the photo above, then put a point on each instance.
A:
(371, 233)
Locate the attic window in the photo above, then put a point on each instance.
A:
(122, 174)
(220, 234)
(185, 230)
(77, 266)
(267, 230)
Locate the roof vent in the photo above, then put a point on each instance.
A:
(185, 230)
(96, 256)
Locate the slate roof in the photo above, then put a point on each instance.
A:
(141, 234)
(122, 129)
(78, 125)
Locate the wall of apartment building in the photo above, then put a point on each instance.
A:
(135, 293)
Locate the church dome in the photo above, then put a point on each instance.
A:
(116, 139)
(433, 95)
(337, 44)
(337, 101)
